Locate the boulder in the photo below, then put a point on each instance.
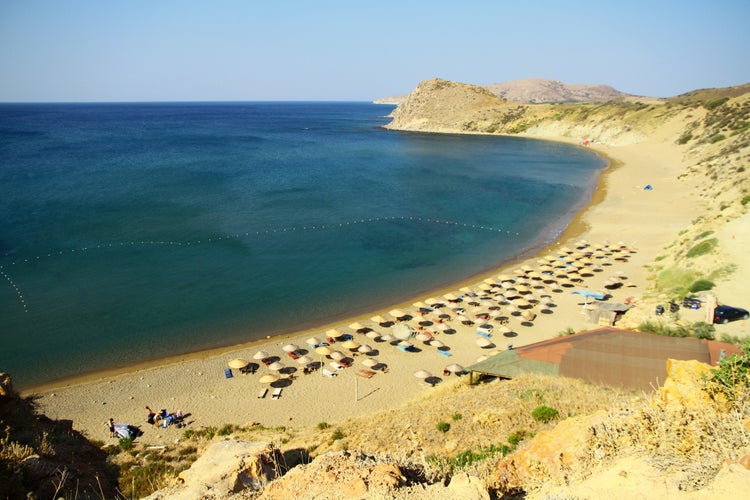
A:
(225, 468)
(684, 385)
(6, 385)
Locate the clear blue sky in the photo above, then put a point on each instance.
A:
(144, 50)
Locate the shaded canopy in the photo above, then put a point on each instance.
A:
(608, 356)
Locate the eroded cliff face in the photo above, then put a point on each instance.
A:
(442, 106)
(450, 107)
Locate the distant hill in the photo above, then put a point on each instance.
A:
(540, 91)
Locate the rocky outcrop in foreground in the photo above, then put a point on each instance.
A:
(682, 439)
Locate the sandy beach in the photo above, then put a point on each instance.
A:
(631, 226)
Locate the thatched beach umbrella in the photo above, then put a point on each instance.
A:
(313, 341)
(238, 363)
(422, 374)
(334, 333)
(323, 350)
(351, 344)
(370, 362)
(364, 349)
(261, 355)
(268, 378)
(290, 348)
(372, 334)
(337, 355)
(379, 319)
(276, 366)
(484, 342)
(436, 343)
(455, 368)
(398, 314)
(358, 327)
(304, 360)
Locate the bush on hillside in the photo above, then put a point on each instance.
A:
(544, 414)
(701, 285)
(703, 248)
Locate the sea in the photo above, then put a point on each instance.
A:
(135, 231)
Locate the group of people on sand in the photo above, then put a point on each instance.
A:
(164, 418)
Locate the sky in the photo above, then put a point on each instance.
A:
(350, 50)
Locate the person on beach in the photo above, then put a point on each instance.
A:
(150, 415)
(111, 427)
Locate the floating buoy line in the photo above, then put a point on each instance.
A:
(238, 236)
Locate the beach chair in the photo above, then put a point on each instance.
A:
(228, 373)
(276, 393)
(482, 334)
(329, 373)
(445, 353)
(262, 393)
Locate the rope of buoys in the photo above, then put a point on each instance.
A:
(213, 239)
(17, 290)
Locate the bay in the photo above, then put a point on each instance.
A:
(134, 231)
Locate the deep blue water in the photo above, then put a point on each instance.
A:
(133, 231)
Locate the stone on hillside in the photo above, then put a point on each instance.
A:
(338, 475)
(552, 452)
(225, 468)
(6, 385)
(684, 385)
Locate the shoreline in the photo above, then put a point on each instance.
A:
(540, 246)
(617, 211)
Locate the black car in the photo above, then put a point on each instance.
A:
(725, 314)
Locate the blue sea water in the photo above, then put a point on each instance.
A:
(134, 231)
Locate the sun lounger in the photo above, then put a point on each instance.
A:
(365, 373)
(262, 393)
(276, 393)
(329, 373)
(445, 353)
(485, 335)
(228, 372)
(293, 355)
(336, 365)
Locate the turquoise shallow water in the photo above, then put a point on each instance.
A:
(133, 231)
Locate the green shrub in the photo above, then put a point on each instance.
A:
(702, 248)
(337, 434)
(516, 438)
(225, 430)
(456, 417)
(323, 426)
(685, 138)
(125, 444)
(745, 199)
(716, 138)
(469, 457)
(715, 103)
(544, 414)
(701, 285)
(731, 376)
(443, 426)
(704, 330)
(188, 433)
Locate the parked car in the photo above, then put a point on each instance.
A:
(725, 314)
